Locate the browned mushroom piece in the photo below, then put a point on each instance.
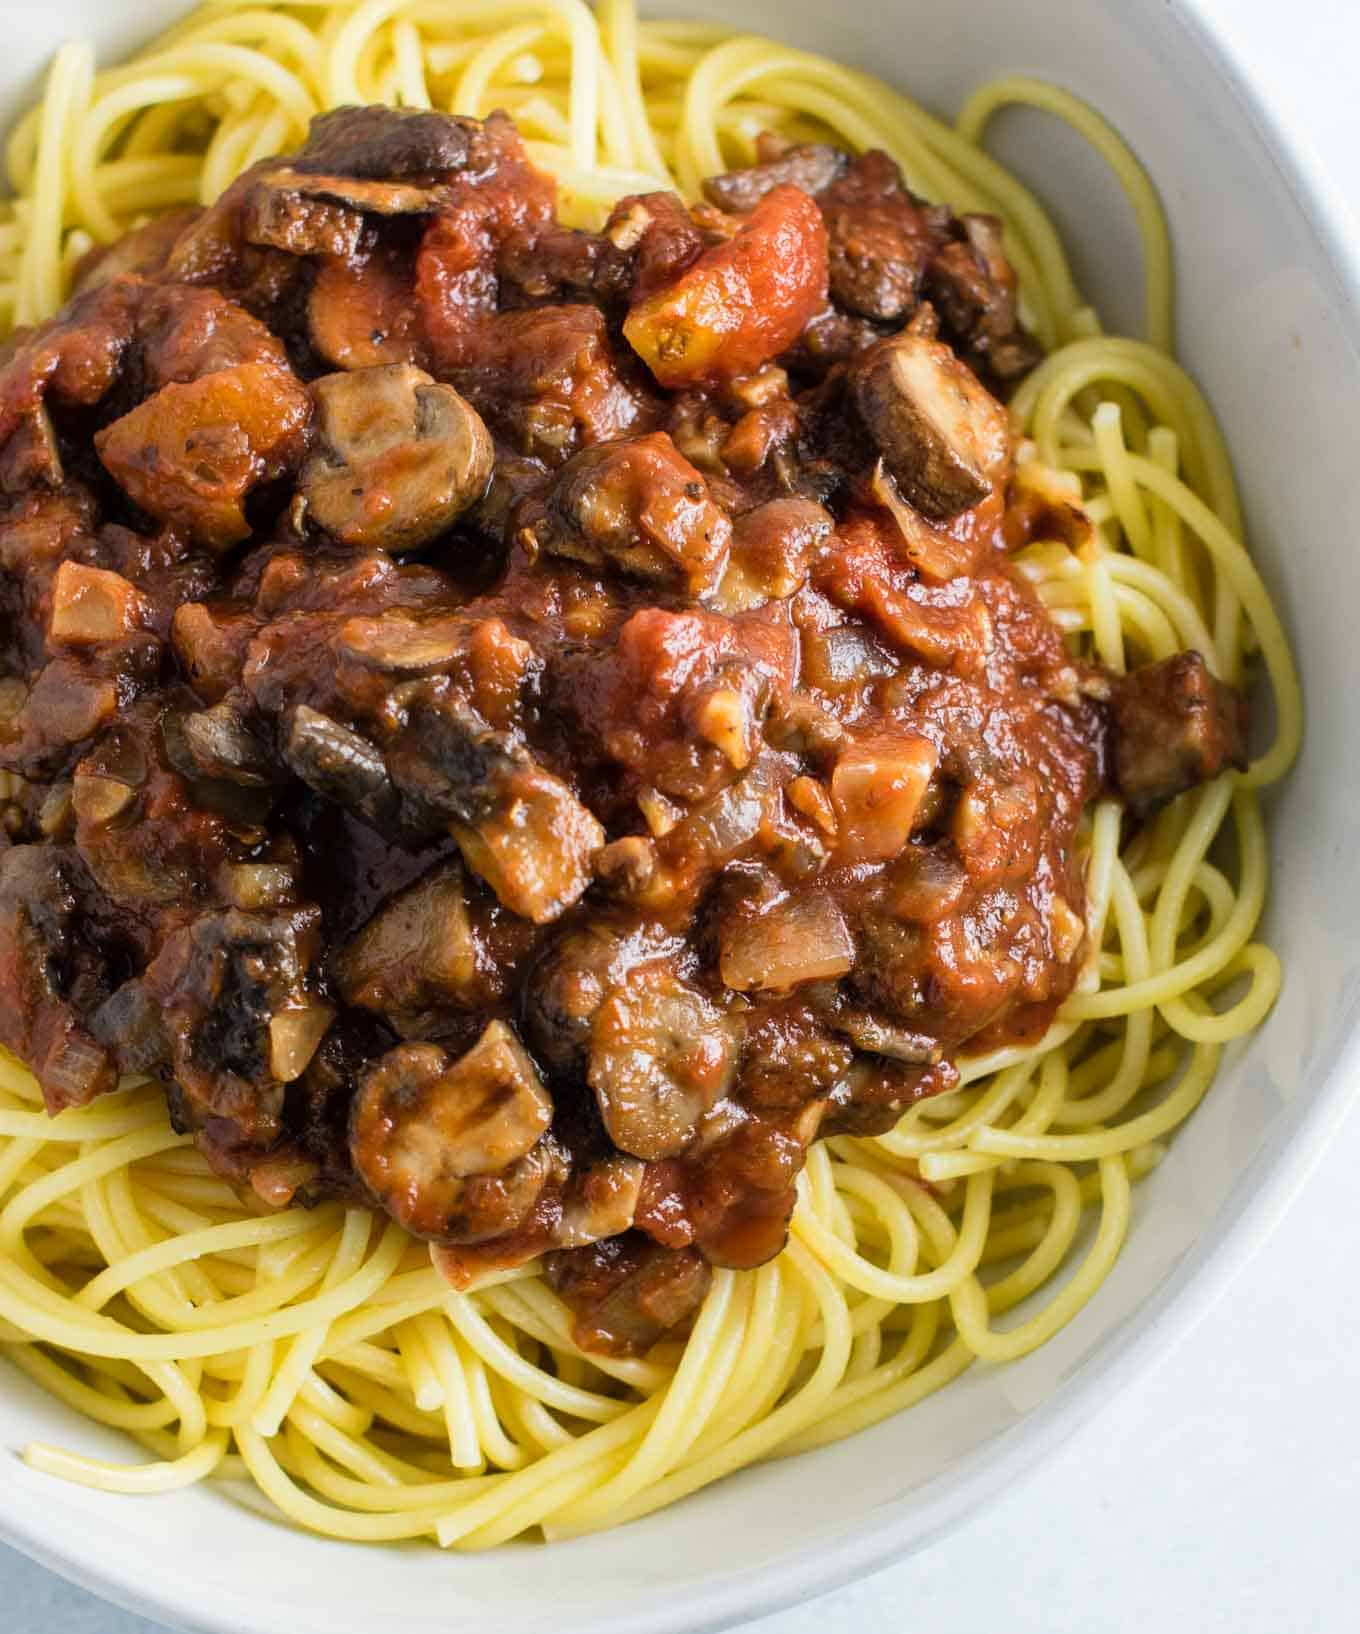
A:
(400, 457)
(518, 825)
(403, 644)
(307, 214)
(661, 1055)
(279, 217)
(31, 458)
(219, 743)
(416, 953)
(41, 956)
(453, 1147)
(878, 1037)
(361, 312)
(626, 1292)
(340, 765)
(380, 143)
(240, 1012)
(1175, 725)
(944, 438)
(773, 548)
(568, 984)
(600, 1201)
(535, 849)
(638, 506)
(811, 166)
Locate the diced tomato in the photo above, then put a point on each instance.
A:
(742, 302)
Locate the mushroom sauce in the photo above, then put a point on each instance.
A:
(532, 728)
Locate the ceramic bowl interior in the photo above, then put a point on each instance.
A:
(1267, 293)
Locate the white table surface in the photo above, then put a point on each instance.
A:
(1222, 1492)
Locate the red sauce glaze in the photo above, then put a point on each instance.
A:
(677, 794)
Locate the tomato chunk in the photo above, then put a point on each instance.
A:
(742, 302)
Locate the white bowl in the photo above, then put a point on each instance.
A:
(1269, 309)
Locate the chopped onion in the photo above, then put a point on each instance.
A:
(254, 885)
(293, 1039)
(804, 938)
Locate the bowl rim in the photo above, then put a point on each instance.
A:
(1264, 1192)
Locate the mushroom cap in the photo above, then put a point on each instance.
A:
(399, 457)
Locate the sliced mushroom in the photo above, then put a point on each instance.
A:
(222, 982)
(570, 981)
(280, 217)
(361, 313)
(518, 826)
(416, 952)
(661, 1055)
(99, 800)
(772, 551)
(453, 1148)
(218, 743)
(926, 883)
(379, 142)
(638, 506)
(30, 456)
(812, 166)
(536, 851)
(845, 655)
(877, 1037)
(403, 644)
(308, 214)
(944, 438)
(400, 457)
(128, 1024)
(340, 765)
(39, 954)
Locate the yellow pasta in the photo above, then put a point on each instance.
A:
(319, 1353)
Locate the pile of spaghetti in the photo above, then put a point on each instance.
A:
(318, 1352)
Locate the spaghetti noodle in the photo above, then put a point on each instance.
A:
(318, 1353)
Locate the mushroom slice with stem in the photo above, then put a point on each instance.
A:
(944, 438)
(661, 1055)
(453, 1148)
(400, 457)
(417, 951)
